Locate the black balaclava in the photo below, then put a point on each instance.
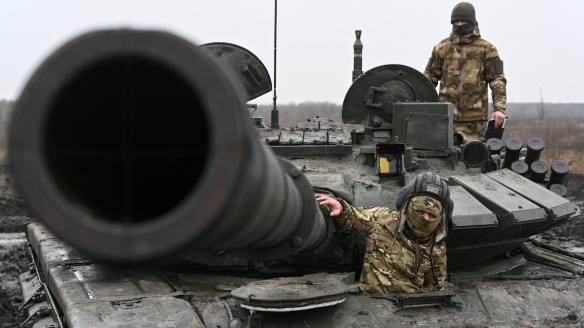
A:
(463, 11)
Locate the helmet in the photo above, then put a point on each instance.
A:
(426, 184)
(430, 185)
(464, 11)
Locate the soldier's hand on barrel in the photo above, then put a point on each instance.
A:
(499, 117)
(334, 205)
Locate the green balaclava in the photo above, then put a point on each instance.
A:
(423, 215)
(463, 11)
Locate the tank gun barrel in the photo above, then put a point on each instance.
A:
(133, 145)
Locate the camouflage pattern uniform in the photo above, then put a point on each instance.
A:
(464, 65)
(395, 260)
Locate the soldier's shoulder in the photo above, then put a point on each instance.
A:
(483, 43)
(485, 47)
(386, 217)
(443, 45)
(444, 42)
(382, 212)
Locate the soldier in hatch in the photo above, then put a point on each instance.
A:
(464, 64)
(405, 249)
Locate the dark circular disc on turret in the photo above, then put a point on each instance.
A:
(475, 153)
(376, 90)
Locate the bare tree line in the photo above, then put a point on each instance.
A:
(295, 112)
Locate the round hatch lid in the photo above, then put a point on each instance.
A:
(290, 294)
(245, 64)
(375, 92)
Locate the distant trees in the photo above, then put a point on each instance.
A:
(295, 112)
(5, 110)
(535, 110)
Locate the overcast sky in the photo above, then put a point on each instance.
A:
(540, 41)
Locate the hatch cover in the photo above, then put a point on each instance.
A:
(375, 91)
(247, 66)
(290, 294)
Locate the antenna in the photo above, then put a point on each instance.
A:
(275, 124)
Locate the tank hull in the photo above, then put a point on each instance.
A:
(90, 294)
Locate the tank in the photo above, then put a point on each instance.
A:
(162, 205)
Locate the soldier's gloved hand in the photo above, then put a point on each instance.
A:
(334, 205)
(499, 117)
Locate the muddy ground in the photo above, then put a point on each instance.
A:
(13, 252)
(14, 255)
(14, 260)
(573, 229)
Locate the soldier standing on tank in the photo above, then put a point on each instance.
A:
(464, 63)
(405, 249)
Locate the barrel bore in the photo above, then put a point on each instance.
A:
(512, 149)
(122, 145)
(537, 171)
(535, 146)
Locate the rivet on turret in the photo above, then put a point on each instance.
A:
(297, 241)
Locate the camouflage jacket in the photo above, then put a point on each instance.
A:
(464, 66)
(393, 262)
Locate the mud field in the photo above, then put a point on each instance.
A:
(574, 229)
(14, 254)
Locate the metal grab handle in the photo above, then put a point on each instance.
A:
(251, 75)
(370, 97)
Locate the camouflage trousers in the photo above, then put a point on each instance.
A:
(469, 130)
